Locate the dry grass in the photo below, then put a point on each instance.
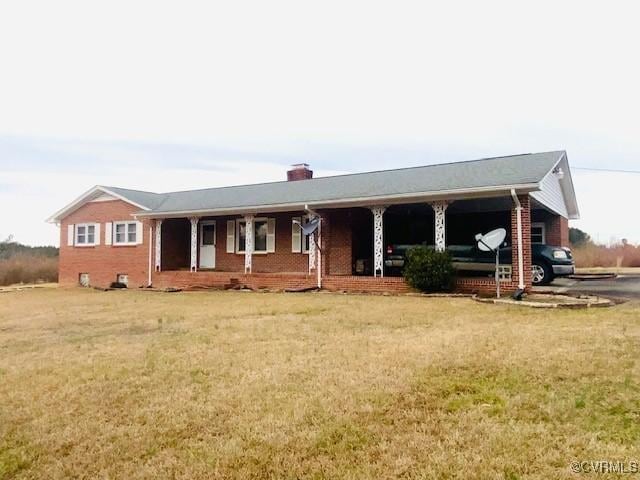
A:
(28, 268)
(236, 385)
(592, 255)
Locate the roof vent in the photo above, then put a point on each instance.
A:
(299, 171)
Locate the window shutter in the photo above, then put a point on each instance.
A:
(139, 233)
(108, 233)
(271, 235)
(71, 232)
(296, 235)
(231, 236)
(97, 233)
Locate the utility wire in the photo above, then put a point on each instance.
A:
(605, 170)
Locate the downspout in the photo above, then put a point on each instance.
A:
(149, 282)
(516, 200)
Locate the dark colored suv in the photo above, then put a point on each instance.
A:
(547, 262)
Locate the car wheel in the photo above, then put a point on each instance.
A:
(541, 274)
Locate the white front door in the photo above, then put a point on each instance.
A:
(208, 244)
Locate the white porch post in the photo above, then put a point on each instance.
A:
(194, 243)
(158, 245)
(378, 241)
(248, 242)
(440, 223)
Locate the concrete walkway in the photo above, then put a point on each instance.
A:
(626, 287)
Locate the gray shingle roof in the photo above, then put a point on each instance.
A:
(149, 200)
(470, 175)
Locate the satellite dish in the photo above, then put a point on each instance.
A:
(309, 227)
(491, 243)
(492, 240)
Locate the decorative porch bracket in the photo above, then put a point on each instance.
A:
(248, 245)
(194, 243)
(158, 245)
(378, 239)
(440, 208)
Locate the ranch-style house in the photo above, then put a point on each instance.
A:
(251, 235)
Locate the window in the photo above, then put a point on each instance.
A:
(305, 238)
(125, 233)
(260, 235)
(84, 279)
(86, 234)
(241, 235)
(260, 230)
(208, 234)
(299, 241)
(538, 233)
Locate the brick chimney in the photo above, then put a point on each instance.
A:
(299, 171)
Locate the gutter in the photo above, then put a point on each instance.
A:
(516, 200)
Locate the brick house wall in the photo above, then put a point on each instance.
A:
(336, 237)
(103, 262)
(337, 242)
(556, 227)
(557, 231)
(176, 247)
(283, 259)
(279, 270)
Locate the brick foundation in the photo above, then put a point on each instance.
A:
(355, 283)
(210, 279)
(335, 283)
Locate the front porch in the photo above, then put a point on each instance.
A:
(267, 250)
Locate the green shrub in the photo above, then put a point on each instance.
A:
(429, 270)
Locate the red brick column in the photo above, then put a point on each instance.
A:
(557, 231)
(526, 241)
(325, 244)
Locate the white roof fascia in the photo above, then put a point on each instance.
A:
(124, 199)
(78, 202)
(567, 172)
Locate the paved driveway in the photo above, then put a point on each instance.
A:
(624, 287)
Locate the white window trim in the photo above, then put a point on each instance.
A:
(126, 243)
(86, 234)
(255, 252)
(543, 227)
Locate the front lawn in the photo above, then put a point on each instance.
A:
(251, 385)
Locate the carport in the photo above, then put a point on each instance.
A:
(412, 224)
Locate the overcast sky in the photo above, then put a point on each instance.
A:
(166, 96)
